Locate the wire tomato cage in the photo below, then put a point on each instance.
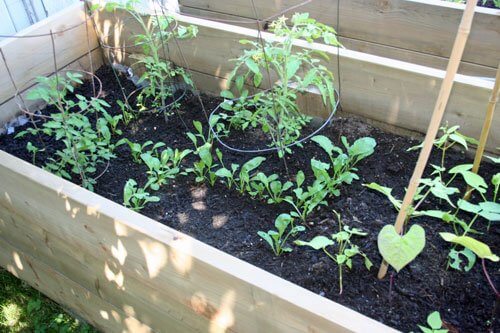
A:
(269, 149)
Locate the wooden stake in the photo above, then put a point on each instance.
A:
(486, 128)
(437, 116)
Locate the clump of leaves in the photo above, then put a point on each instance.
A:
(305, 201)
(159, 73)
(450, 137)
(204, 168)
(84, 146)
(277, 238)
(346, 249)
(164, 167)
(241, 179)
(136, 197)
(137, 149)
(269, 187)
(276, 111)
(341, 169)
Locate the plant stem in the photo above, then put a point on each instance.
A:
(488, 278)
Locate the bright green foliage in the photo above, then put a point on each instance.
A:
(306, 201)
(241, 179)
(205, 167)
(135, 197)
(276, 111)
(435, 324)
(137, 149)
(155, 36)
(341, 168)
(84, 147)
(346, 250)
(163, 167)
(277, 238)
(400, 250)
(269, 187)
(451, 137)
(24, 309)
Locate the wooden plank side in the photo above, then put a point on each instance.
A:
(387, 51)
(231, 294)
(31, 57)
(385, 90)
(93, 309)
(426, 26)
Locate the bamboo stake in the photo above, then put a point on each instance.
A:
(486, 128)
(437, 116)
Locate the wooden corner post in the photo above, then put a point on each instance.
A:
(437, 116)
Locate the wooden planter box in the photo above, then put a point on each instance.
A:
(124, 272)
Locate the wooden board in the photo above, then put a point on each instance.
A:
(92, 308)
(419, 31)
(157, 276)
(31, 57)
(385, 90)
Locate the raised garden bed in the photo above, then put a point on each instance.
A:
(230, 221)
(121, 270)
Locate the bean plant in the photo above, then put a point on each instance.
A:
(459, 213)
(346, 250)
(277, 238)
(159, 73)
(85, 146)
(275, 111)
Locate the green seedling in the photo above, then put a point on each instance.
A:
(277, 238)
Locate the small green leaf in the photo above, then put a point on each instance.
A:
(434, 320)
(252, 65)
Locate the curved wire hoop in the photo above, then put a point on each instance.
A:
(272, 149)
(22, 105)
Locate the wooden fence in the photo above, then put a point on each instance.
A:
(416, 31)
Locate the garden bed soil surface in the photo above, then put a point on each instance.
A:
(229, 221)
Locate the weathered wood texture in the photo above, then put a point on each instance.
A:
(420, 31)
(125, 272)
(390, 91)
(28, 58)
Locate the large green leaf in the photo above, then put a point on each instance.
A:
(399, 250)
(482, 250)
(362, 148)
(317, 243)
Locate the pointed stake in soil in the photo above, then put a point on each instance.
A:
(437, 116)
(486, 128)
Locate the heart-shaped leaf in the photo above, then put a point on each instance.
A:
(398, 250)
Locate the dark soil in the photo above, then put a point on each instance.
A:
(229, 221)
(487, 3)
